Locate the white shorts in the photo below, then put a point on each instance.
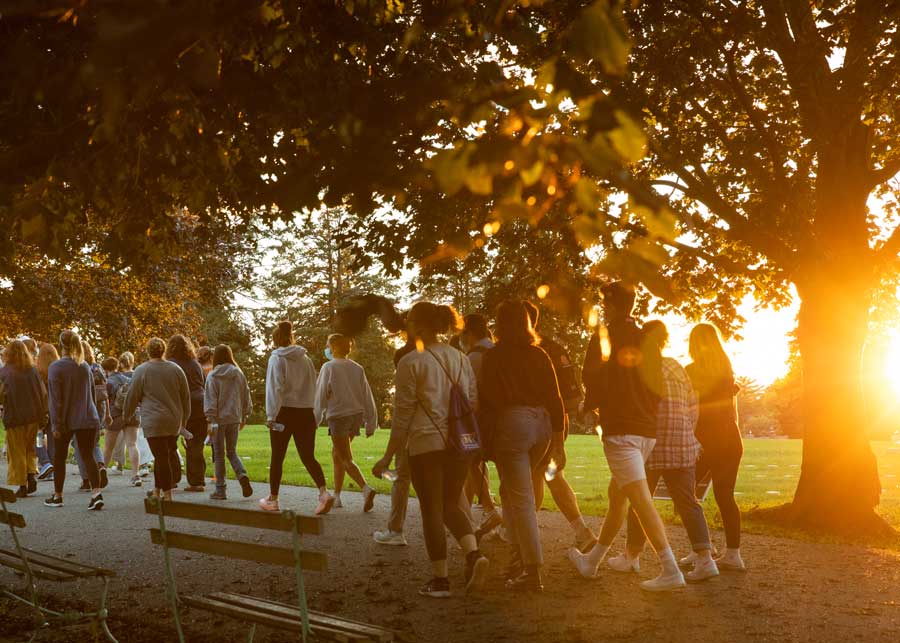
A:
(627, 456)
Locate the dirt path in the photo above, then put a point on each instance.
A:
(793, 592)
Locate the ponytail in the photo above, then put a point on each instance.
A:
(435, 319)
(71, 346)
(283, 334)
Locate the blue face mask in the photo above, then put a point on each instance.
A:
(328, 354)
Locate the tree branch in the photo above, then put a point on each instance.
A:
(889, 249)
(889, 170)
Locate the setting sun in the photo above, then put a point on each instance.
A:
(892, 363)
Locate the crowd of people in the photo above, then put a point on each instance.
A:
(464, 395)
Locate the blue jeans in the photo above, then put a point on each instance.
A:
(225, 440)
(97, 454)
(45, 452)
(521, 441)
(680, 483)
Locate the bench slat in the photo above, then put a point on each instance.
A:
(268, 554)
(292, 611)
(65, 565)
(233, 516)
(269, 620)
(11, 519)
(14, 562)
(8, 495)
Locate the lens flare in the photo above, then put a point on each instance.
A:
(550, 473)
(543, 291)
(605, 344)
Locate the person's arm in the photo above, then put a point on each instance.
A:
(554, 404)
(472, 388)
(370, 412)
(210, 400)
(405, 402)
(274, 381)
(42, 391)
(321, 402)
(247, 401)
(57, 392)
(135, 393)
(184, 391)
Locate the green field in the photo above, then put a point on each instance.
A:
(768, 474)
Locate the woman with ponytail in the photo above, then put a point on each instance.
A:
(73, 414)
(290, 400)
(718, 433)
(420, 424)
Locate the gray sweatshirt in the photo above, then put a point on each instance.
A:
(161, 390)
(227, 396)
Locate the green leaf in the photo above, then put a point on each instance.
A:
(628, 139)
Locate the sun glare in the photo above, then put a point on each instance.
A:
(892, 364)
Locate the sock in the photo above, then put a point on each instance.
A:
(366, 488)
(704, 555)
(579, 526)
(598, 553)
(667, 560)
(733, 552)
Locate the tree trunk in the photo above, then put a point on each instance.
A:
(839, 486)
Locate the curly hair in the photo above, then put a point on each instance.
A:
(180, 347)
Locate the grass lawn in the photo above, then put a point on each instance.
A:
(768, 475)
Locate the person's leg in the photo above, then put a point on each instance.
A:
(232, 432)
(457, 521)
(565, 499)
(16, 458)
(118, 453)
(60, 452)
(219, 439)
(345, 456)
(162, 471)
(427, 475)
(130, 439)
(338, 462)
(86, 441)
(519, 514)
(279, 442)
(195, 459)
(30, 449)
(79, 459)
(400, 492)
(680, 483)
(97, 452)
(305, 442)
(724, 478)
(636, 538)
(109, 445)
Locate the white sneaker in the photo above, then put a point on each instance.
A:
(622, 563)
(731, 561)
(664, 583)
(582, 563)
(703, 570)
(388, 537)
(689, 560)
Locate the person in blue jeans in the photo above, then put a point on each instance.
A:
(227, 405)
(674, 459)
(524, 423)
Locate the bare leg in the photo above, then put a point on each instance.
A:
(338, 468)
(109, 444)
(343, 453)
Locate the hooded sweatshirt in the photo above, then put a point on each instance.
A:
(290, 381)
(343, 391)
(227, 396)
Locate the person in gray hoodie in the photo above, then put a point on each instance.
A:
(160, 388)
(290, 400)
(227, 405)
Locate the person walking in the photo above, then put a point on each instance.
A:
(344, 397)
(124, 428)
(421, 424)
(524, 422)
(180, 351)
(673, 460)
(101, 402)
(290, 402)
(227, 405)
(73, 414)
(718, 432)
(24, 399)
(570, 391)
(46, 355)
(161, 389)
(622, 385)
(475, 340)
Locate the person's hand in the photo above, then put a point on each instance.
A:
(558, 451)
(380, 467)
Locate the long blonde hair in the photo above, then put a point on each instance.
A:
(707, 353)
(47, 354)
(71, 346)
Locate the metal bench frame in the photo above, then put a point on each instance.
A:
(58, 570)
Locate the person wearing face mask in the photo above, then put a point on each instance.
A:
(344, 397)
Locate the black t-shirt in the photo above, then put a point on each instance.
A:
(620, 389)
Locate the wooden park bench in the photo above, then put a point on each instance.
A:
(37, 566)
(312, 626)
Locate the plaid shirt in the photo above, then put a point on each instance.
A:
(676, 447)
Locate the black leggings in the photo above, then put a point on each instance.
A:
(299, 424)
(438, 478)
(165, 473)
(723, 470)
(85, 440)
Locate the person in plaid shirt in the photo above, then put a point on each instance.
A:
(674, 459)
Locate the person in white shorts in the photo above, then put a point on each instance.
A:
(623, 383)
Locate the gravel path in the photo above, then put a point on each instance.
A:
(793, 592)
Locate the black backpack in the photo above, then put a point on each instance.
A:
(569, 388)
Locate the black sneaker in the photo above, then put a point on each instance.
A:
(32, 484)
(104, 478)
(53, 501)
(96, 503)
(85, 486)
(22, 492)
(246, 489)
(436, 588)
(476, 571)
